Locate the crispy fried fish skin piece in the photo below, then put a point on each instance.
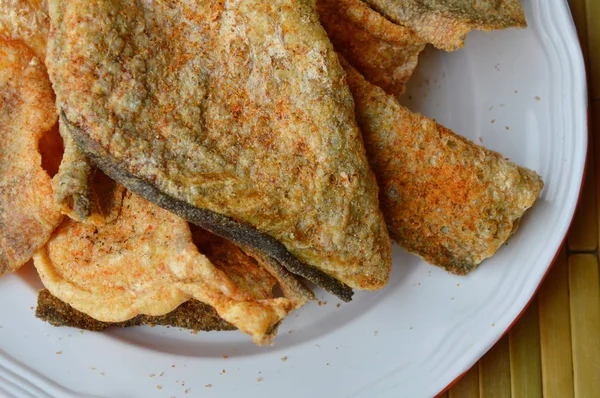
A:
(83, 192)
(26, 20)
(192, 314)
(238, 109)
(72, 183)
(242, 235)
(27, 112)
(446, 199)
(195, 315)
(445, 23)
(385, 53)
(146, 263)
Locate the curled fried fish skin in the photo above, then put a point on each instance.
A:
(81, 191)
(192, 314)
(446, 199)
(145, 262)
(71, 184)
(238, 109)
(27, 113)
(248, 273)
(385, 53)
(445, 23)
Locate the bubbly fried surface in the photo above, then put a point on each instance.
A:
(245, 272)
(192, 314)
(446, 199)
(385, 53)
(145, 262)
(445, 23)
(27, 113)
(239, 108)
(26, 20)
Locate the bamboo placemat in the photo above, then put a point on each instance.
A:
(554, 349)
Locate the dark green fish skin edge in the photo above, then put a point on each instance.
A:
(241, 234)
(192, 314)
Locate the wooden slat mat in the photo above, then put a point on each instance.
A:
(554, 349)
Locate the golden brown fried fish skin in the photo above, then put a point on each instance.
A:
(445, 23)
(244, 270)
(27, 21)
(145, 262)
(385, 53)
(72, 183)
(192, 314)
(236, 116)
(446, 199)
(83, 192)
(27, 112)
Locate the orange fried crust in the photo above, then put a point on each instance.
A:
(385, 53)
(27, 21)
(145, 262)
(27, 113)
(235, 108)
(444, 198)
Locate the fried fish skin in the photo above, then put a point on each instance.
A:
(239, 263)
(81, 191)
(446, 199)
(385, 53)
(26, 20)
(192, 314)
(27, 112)
(239, 108)
(72, 183)
(145, 262)
(244, 271)
(445, 23)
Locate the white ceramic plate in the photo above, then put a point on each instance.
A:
(521, 92)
